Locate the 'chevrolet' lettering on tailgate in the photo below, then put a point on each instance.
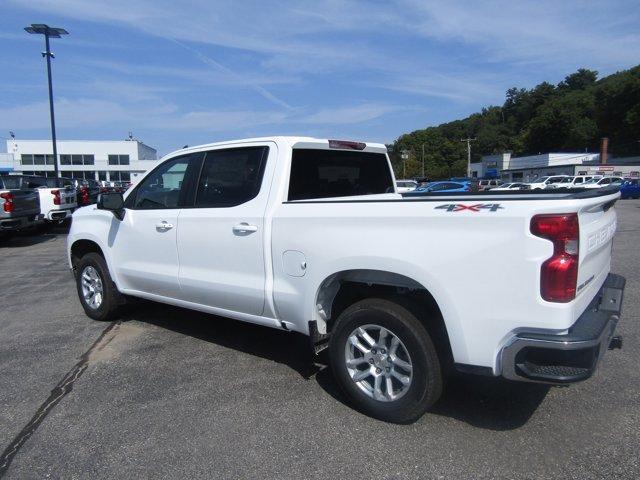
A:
(601, 237)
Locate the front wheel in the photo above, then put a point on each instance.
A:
(385, 361)
(98, 294)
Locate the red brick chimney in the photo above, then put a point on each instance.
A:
(604, 150)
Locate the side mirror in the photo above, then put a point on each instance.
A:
(112, 201)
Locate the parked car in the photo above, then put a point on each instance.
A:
(443, 187)
(577, 182)
(548, 182)
(87, 191)
(57, 195)
(509, 186)
(604, 182)
(302, 235)
(630, 188)
(404, 186)
(488, 184)
(19, 207)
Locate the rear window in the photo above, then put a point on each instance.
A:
(10, 182)
(335, 173)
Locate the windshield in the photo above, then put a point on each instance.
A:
(567, 180)
(10, 182)
(541, 180)
(592, 181)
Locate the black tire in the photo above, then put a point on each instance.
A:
(427, 375)
(112, 300)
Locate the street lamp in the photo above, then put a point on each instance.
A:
(49, 32)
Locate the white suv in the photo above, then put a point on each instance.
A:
(548, 182)
(603, 182)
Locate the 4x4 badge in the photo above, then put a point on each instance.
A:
(459, 207)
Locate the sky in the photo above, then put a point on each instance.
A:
(198, 71)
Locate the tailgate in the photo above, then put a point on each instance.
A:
(25, 202)
(67, 197)
(597, 227)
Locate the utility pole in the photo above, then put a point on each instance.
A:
(423, 160)
(468, 140)
(53, 32)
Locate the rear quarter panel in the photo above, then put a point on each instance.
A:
(482, 267)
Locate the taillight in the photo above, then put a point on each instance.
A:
(56, 196)
(84, 195)
(559, 274)
(8, 201)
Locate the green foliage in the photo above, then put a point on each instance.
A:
(569, 117)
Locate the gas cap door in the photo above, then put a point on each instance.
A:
(294, 263)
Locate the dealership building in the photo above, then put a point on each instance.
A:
(527, 169)
(119, 160)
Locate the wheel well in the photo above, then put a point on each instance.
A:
(343, 289)
(81, 247)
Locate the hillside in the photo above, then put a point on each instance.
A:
(568, 117)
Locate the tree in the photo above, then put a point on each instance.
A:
(572, 116)
(579, 80)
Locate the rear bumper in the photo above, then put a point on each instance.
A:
(570, 357)
(20, 222)
(56, 215)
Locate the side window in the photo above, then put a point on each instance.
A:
(605, 181)
(231, 177)
(161, 189)
(578, 180)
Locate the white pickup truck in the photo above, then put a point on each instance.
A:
(57, 195)
(310, 236)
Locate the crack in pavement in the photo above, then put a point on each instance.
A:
(57, 394)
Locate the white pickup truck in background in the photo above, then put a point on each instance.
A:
(311, 236)
(58, 196)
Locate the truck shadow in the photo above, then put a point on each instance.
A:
(34, 236)
(483, 402)
(288, 348)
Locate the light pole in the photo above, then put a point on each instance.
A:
(404, 156)
(49, 32)
(423, 160)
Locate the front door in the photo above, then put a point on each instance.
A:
(221, 238)
(144, 242)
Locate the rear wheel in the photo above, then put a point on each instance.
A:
(385, 361)
(98, 294)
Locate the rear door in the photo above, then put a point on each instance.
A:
(222, 233)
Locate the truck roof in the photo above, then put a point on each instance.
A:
(291, 140)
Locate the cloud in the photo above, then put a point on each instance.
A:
(230, 73)
(91, 113)
(348, 115)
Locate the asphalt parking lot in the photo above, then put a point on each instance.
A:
(169, 393)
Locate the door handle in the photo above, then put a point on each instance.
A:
(164, 225)
(244, 228)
